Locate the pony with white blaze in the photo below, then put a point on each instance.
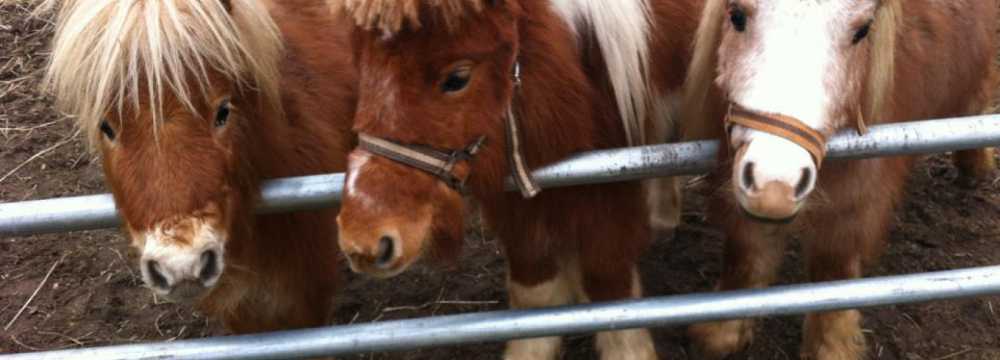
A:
(501, 87)
(773, 79)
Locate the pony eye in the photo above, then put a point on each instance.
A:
(107, 130)
(456, 81)
(862, 33)
(222, 115)
(738, 18)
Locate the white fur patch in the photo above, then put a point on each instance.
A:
(554, 292)
(557, 291)
(627, 344)
(622, 29)
(356, 166)
(774, 159)
(533, 349)
(634, 344)
(792, 67)
(177, 263)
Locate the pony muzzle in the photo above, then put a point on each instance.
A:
(772, 179)
(182, 271)
(382, 252)
(776, 162)
(381, 258)
(393, 214)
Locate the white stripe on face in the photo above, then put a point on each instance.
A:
(792, 59)
(356, 166)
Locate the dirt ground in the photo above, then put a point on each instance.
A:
(90, 294)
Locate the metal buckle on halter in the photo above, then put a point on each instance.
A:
(517, 74)
(466, 154)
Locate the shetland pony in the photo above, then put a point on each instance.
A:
(774, 79)
(454, 95)
(192, 104)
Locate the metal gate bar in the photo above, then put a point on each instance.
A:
(514, 324)
(311, 192)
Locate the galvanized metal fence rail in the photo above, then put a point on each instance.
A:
(310, 192)
(515, 324)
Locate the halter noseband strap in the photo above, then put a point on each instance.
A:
(782, 126)
(436, 162)
(442, 163)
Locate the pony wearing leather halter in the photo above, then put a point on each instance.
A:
(455, 95)
(191, 104)
(773, 79)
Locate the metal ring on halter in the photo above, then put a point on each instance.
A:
(517, 74)
(783, 126)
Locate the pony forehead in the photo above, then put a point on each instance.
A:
(392, 16)
(812, 5)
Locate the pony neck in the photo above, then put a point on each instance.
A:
(560, 109)
(563, 110)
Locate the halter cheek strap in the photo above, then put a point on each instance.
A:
(782, 126)
(515, 157)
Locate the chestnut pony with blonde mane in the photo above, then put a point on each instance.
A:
(782, 76)
(572, 75)
(192, 104)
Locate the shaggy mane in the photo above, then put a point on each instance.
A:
(622, 28)
(392, 16)
(109, 54)
(700, 78)
(883, 62)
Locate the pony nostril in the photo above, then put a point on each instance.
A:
(209, 266)
(804, 183)
(159, 281)
(747, 176)
(386, 251)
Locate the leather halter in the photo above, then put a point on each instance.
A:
(788, 128)
(442, 163)
(783, 126)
